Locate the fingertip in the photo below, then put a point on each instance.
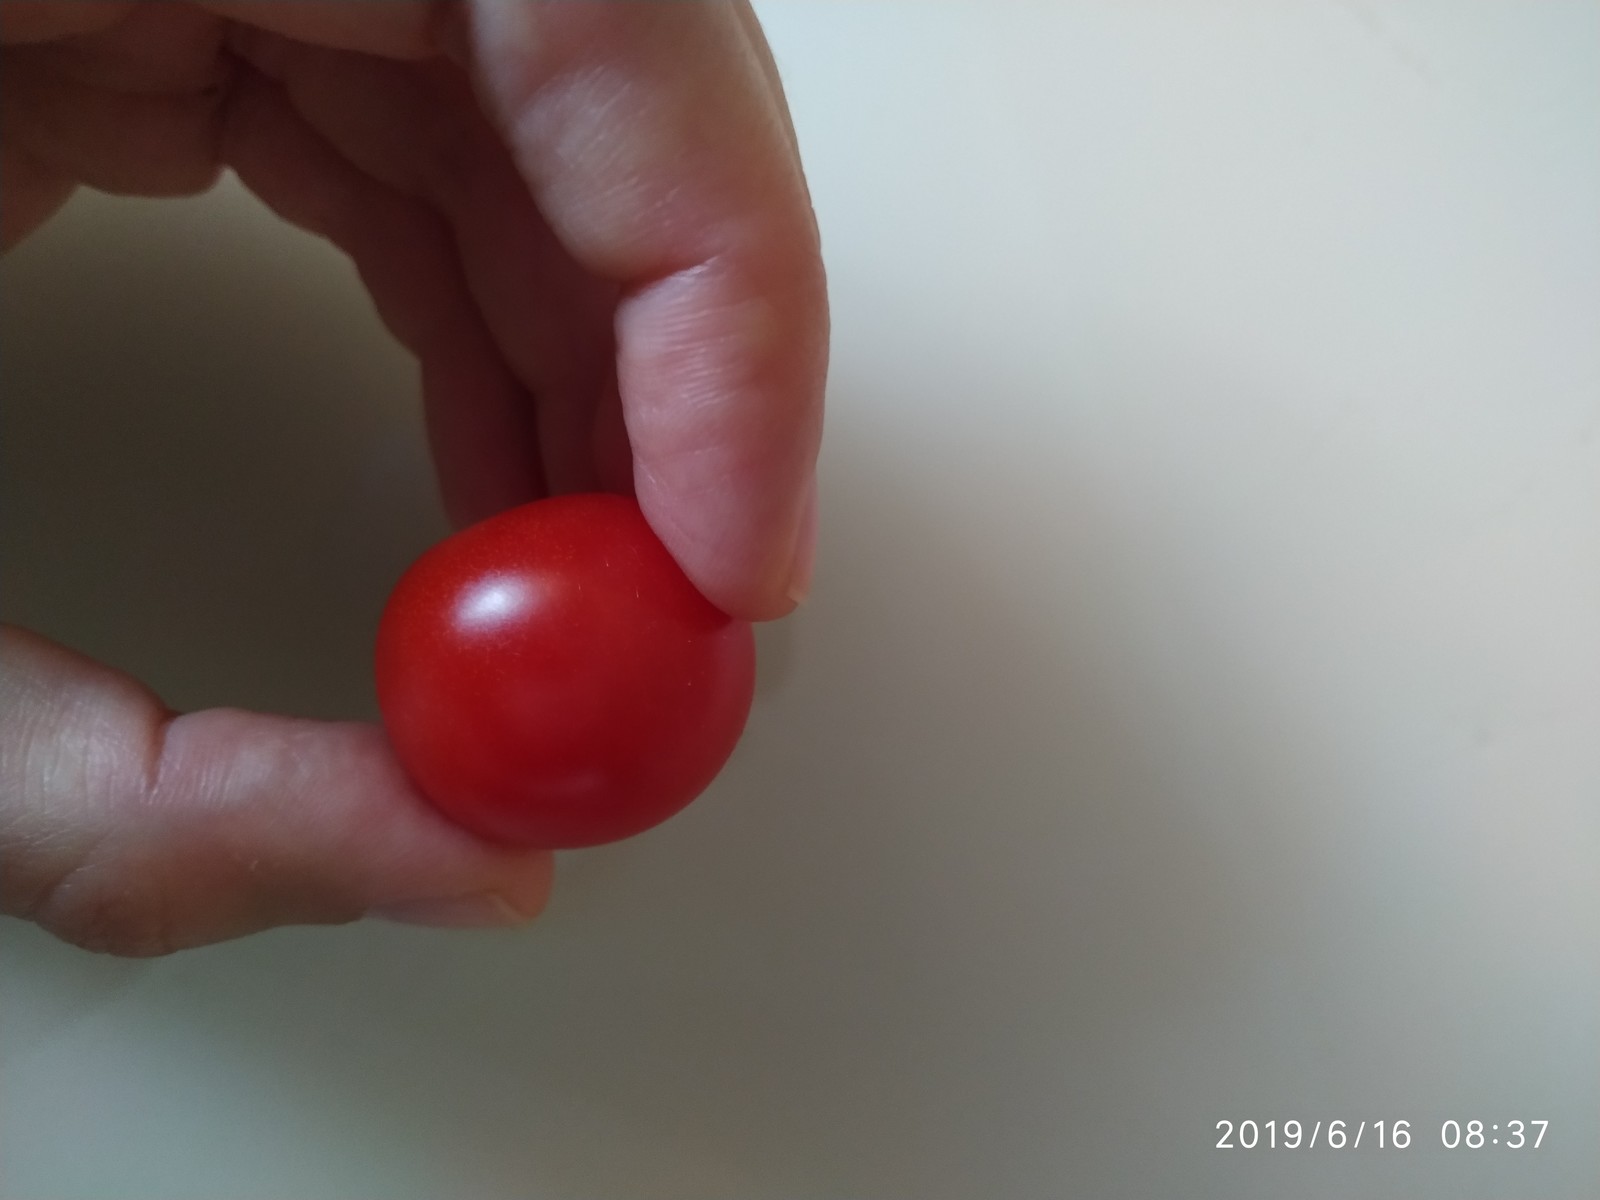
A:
(802, 565)
(753, 570)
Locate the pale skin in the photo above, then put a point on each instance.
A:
(589, 224)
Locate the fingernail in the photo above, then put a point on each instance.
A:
(805, 547)
(485, 910)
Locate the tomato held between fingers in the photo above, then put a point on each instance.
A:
(550, 676)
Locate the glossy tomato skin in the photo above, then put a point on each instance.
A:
(550, 677)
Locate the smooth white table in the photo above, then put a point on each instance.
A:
(1197, 718)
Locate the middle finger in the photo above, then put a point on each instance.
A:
(417, 128)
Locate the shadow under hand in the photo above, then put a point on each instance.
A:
(211, 460)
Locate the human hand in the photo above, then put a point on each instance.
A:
(589, 224)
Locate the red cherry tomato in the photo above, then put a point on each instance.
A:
(550, 676)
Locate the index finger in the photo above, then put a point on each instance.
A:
(655, 143)
(654, 139)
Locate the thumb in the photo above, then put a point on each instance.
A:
(128, 829)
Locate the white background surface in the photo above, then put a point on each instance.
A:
(1198, 715)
